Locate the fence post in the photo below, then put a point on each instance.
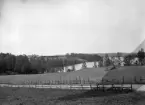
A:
(123, 79)
(135, 79)
(122, 83)
(34, 84)
(29, 84)
(44, 83)
(54, 82)
(81, 82)
(112, 86)
(131, 86)
(63, 82)
(60, 82)
(48, 83)
(84, 81)
(80, 79)
(70, 84)
(140, 79)
(90, 83)
(76, 80)
(103, 85)
(97, 86)
(51, 83)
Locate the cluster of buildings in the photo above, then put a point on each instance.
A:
(134, 61)
(80, 66)
(76, 67)
(118, 61)
(85, 64)
(46, 58)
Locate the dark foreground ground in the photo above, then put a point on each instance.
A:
(25, 96)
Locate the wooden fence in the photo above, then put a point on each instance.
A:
(81, 84)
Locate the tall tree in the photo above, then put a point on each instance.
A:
(107, 61)
(2, 63)
(22, 64)
(141, 56)
(118, 55)
(10, 62)
(128, 58)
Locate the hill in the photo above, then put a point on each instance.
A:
(142, 45)
(112, 54)
(129, 72)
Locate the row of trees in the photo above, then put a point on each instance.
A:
(110, 61)
(140, 56)
(87, 57)
(11, 64)
(23, 64)
(128, 59)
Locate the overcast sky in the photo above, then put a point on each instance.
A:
(49, 27)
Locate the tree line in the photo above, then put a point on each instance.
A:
(129, 59)
(34, 64)
(140, 55)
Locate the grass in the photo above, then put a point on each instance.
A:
(25, 96)
(95, 74)
(128, 72)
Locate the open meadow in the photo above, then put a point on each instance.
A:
(130, 74)
(25, 96)
(95, 74)
(34, 96)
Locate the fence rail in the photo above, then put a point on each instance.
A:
(80, 84)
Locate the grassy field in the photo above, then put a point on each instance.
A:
(129, 72)
(95, 74)
(31, 96)
(24, 96)
(92, 73)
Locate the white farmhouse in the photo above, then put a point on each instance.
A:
(81, 66)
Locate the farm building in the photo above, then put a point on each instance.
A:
(81, 66)
(134, 61)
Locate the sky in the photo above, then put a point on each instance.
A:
(51, 27)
